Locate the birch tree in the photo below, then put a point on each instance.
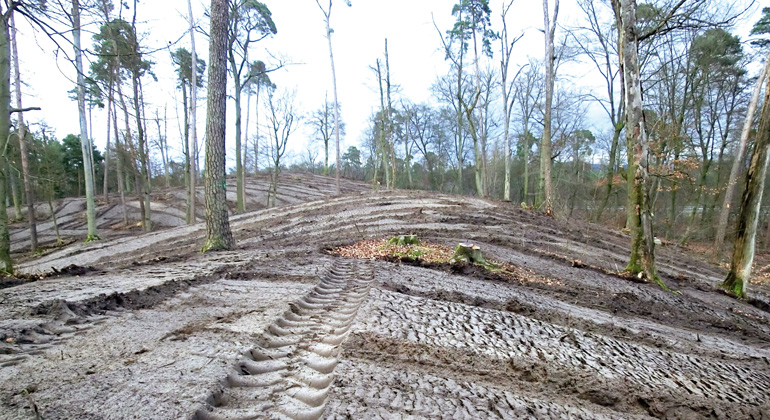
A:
(283, 120)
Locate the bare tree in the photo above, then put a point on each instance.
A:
(528, 92)
(327, 12)
(599, 47)
(282, 120)
(506, 48)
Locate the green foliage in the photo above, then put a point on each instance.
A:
(716, 50)
(249, 18)
(118, 48)
(258, 76)
(762, 27)
(473, 16)
(72, 161)
(182, 58)
(352, 157)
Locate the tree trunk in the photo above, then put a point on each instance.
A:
(13, 180)
(545, 149)
(384, 143)
(22, 133)
(6, 265)
(187, 155)
(87, 162)
(336, 102)
(163, 151)
(480, 150)
(246, 143)
(144, 162)
(110, 105)
(746, 232)
(218, 235)
(391, 139)
(239, 204)
(724, 214)
(192, 219)
(407, 160)
(119, 166)
(610, 170)
(642, 259)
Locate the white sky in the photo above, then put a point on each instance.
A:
(358, 40)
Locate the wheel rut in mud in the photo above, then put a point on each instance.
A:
(291, 369)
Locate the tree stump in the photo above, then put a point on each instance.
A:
(404, 240)
(468, 253)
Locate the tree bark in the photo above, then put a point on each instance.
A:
(144, 162)
(187, 150)
(724, 214)
(119, 165)
(746, 232)
(391, 139)
(110, 105)
(192, 219)
(87, 162)
(642, 259)
(218, 234)
(22, 133)
(545, 149)
(239, 200)
(6, 264)
(327, 16)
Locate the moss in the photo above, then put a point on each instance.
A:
(92, 238)
(214, 244)
(634, 267)
(734, 285)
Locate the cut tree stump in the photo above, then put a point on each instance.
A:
(404, 240)
(469, 253)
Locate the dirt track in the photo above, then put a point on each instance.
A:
(278, 328)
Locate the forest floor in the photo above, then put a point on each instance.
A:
(144, 326)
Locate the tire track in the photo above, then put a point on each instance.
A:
(289, 372)
(528, 343)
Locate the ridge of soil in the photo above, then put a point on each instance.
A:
(147, 327)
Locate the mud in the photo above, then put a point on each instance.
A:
(278, 328)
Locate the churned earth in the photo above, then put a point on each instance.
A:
(143, 326)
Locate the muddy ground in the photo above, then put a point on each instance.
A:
(145, 327)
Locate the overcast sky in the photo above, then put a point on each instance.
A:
(358, 40)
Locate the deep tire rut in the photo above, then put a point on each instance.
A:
(288, 374)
